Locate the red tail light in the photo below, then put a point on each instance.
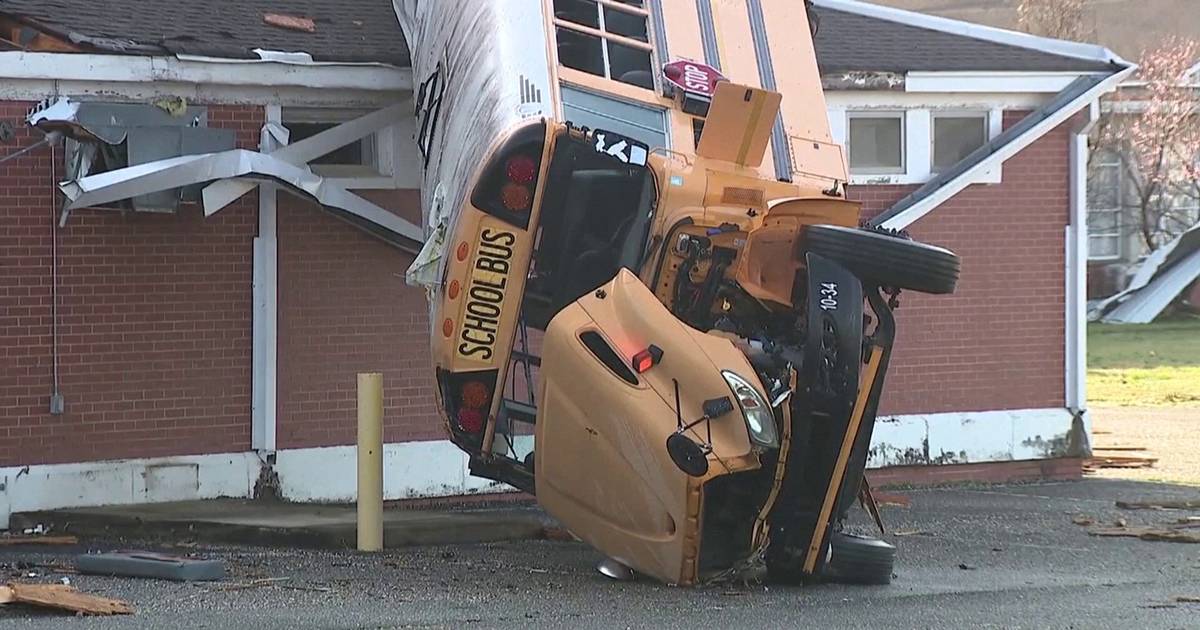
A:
(521, 169)
(647, 359)
(508, 182)
(467, 399)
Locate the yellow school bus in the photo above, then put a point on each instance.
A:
(677, 348)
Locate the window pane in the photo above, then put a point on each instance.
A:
(1103, 247)
(630, 65)
(1103, 222)
(578, 11)
(580, 51)
(621, 23)
(353, 153)
(1104, 187)
(875, 144)
(599, 112)
(955, 137)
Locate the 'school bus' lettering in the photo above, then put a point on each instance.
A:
(485, 294)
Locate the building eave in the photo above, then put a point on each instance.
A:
(1062, 48)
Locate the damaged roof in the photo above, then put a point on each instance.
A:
(852, 42)
(358, 31)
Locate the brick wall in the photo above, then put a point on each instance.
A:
(997, 343)
(344, 308)
(154, 319)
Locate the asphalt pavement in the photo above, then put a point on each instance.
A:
(981, 557)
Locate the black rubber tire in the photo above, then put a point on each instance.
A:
(887, 260)
(860, 560)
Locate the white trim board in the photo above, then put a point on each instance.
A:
(969, 437)
(438, 468)
(140, 92)
(138, 69)
(1059, 47)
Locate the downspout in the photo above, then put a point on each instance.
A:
(1075, 364)
(265, 346)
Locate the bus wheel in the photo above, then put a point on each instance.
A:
(886, 259)
(860, 560)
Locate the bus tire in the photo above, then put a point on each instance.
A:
(859, 560)
(885, 259)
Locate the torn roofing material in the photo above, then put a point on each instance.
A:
(851, 41)
(1159, 280)
(361, 31)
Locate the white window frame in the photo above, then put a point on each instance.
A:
(983, 114)
(919, 112)
(390, 165)
(1117, 236)
(896, 114)
(606, 37)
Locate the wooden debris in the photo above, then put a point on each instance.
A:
(560, 534)
(1186, 599)
(1159, 505)
(290, 22)
(894, 500)
(62, 597)
(1155, 534)
(1080, 519)
(259, 583)
(39, 540)
(1117, 461)
(911, 532)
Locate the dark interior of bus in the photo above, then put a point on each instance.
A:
(595, 216)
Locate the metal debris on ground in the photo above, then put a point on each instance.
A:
(290, 22)
(62, 597)
(38, 540)
(145, 564)
(1153, 534)
(1159, 505)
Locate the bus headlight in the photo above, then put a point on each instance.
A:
(760, 420)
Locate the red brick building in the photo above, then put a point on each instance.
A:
(161, 353)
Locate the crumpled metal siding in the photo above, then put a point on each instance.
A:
(480, 68)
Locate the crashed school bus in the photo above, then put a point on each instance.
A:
(678, 353)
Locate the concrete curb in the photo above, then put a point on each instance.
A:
(402, 528)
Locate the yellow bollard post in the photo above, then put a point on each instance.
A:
(370, 462)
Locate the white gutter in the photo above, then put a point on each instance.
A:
(1047, 45)
(21, 65)
(971, 175)
(1075, 359)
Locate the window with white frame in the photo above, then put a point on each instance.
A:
(875, 142)
(955, 136)
(607, 38)
(1105, 176)
(360, 158)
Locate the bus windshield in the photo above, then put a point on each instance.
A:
(595, 218)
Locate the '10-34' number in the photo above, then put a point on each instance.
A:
(829, 293)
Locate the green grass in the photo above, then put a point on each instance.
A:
(1144, 364)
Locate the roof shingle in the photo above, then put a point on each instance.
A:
(849, 42)
(355, 31)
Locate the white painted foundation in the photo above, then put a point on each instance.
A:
(438, 468)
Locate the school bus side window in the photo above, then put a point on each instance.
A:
(607, 39)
